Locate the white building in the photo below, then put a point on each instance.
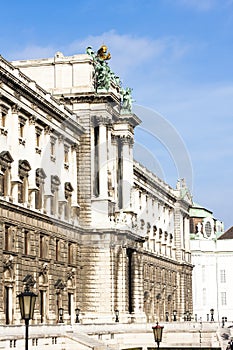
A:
(212, 257)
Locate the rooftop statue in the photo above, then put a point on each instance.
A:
(103, 53)
(103, 75)
(126, 96)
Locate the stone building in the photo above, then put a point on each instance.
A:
(82, 223)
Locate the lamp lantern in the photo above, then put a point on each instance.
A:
(27, 300)
(158, 333)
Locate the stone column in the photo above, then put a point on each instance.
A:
(137, 284)
(31, 145)
(103, 161)
(127, 180)
(14, 150)
(121, 269)
(47, 168)
(100, 203)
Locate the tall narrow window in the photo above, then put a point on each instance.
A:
(57, 249)
(130, 276)
(21, 126)
(43, 246)
(7, 309)
(96, 162)
(52, 148)
(26, 242)
(7, 237)
(3, 120)
(66, 157)
(41, 300)
(70, 253)
(70, 295)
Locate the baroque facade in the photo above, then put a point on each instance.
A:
(82, 223)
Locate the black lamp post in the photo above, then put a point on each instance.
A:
(60, 312)
(174, 315)
(117, 315)
(211, 315)
(27, 301)
(158, 333)
(77, 312)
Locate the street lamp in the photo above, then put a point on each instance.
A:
(212, 315)
(77, 312)
(158, 333)
(174, 315)
(27, 301)
(60, 312)
(117, 315)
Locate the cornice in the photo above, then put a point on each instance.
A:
(37, 99)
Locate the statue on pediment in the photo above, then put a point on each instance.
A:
(103, 75)
(127, 100)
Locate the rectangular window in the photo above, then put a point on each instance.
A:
(223, 298)
(3, 120)
(21, 130)
(7, 237)
(26, 237)
(66, 154)
(41, 246)
(70, 253)
(57, 249)
(2, 184)
(223, 276)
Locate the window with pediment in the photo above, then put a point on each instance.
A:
(21, 128)
(24, 168)
(68, 196)
(55, 183)
(5, 166)
(40, 179)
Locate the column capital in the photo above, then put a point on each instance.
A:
(15, 109)
(101, 120)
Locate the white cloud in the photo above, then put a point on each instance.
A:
(129, 52)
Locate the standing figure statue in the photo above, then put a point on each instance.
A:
(127, 99)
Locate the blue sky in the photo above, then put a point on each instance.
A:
(177, 57)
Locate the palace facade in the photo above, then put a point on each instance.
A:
(82, 223)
